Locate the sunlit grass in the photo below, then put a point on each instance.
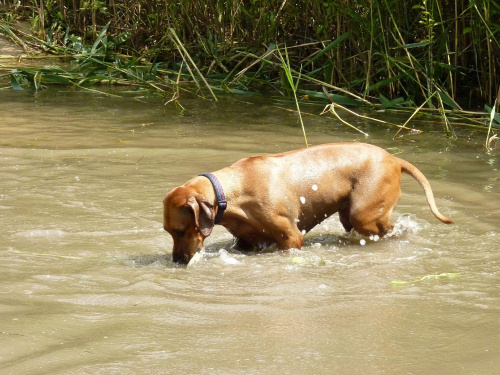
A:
(383, 54)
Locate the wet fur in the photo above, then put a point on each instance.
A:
(271, 198)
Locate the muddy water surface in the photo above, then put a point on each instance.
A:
(87, 285)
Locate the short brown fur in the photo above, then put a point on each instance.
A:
(277, 198)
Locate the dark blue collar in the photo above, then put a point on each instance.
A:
(221, 198)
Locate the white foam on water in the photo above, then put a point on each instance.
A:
(42, 233)
(404, 224)
(227, 258)
(199, 255)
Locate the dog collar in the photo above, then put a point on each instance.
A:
(219, 192)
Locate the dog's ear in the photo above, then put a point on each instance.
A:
(204, 214)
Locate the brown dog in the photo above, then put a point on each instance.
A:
(278, 198)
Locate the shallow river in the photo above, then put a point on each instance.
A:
(87, 285)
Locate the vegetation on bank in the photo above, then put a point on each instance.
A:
(435, 55)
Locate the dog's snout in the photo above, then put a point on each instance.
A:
(180, 258)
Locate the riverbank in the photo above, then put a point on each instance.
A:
(381, 51)
(176, 65)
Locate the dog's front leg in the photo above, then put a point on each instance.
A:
(290, 239)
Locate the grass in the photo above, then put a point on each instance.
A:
(428, 58)
(285, 62)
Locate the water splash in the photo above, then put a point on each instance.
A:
(405, 224)
(198, 256)
(227, 258)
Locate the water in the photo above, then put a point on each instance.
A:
(87, 285)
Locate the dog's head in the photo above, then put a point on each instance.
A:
(189, 218)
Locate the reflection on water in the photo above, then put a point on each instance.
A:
(88, 285)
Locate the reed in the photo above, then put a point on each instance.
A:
(375, 53)
(285, 62)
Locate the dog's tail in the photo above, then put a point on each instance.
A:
(417, 175)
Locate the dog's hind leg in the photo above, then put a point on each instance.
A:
(373, 219)
(344, 219)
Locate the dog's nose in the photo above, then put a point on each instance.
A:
(179, 258)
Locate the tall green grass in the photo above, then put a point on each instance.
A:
(390, 54)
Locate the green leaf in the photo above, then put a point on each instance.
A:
(415, 45)
(448, 100)
(398, 102)
(494, 114)
(329, 47)
(56, 79)
(383, 83)
(99, 38)
(15, 83)
(339, 99)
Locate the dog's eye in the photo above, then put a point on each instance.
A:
(179, 233)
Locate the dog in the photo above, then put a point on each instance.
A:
(277, 199)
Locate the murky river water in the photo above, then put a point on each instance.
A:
(87, 285)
